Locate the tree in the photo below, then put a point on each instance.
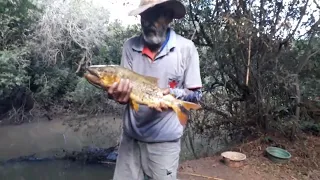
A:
(250, 60)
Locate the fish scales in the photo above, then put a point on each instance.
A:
(145, 89)
(142, 91)
(146, 93)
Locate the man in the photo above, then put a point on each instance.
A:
(150, 142)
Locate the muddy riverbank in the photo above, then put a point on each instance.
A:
(71, 133)
(64, 132)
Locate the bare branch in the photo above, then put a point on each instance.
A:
(66, 24)
(315, 2)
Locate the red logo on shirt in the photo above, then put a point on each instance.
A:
(173, 84)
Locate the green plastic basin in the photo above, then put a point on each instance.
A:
(277, 155)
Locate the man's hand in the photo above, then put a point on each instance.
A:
(166, 91)
(121, 91)
(162, 105)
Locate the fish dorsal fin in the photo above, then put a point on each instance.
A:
(152, 79)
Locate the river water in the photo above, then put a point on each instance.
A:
(55, 170)
(45, 138)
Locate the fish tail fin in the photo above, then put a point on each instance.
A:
(189, 105)
(182, 116)
(177, 105)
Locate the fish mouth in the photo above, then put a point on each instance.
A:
(92, 79)
(92, 76)
(92, 71)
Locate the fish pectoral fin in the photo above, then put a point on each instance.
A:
(134, 105)
(152, 79)
(154, 106)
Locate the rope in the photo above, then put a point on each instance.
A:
(199, 175)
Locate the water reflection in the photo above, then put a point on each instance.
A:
(55, 170)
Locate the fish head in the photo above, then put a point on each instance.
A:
(102, 75)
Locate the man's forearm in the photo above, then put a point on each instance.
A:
(187, 94)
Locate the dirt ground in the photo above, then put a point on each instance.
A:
(304, 163)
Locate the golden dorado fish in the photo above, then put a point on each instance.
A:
(145, 89)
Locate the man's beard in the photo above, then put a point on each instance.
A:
(153, 37)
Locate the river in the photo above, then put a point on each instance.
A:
(72, 132)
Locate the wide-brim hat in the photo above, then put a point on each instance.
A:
(176, 6)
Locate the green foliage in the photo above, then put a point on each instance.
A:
(311, 127)
(13, 70)
(310, 73)
(112, 51)
(43, 46)
(17, 17)
(86, 95)
(53, 83)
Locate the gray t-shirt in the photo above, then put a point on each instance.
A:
(176, 66)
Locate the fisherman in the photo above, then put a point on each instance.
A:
(150, 141)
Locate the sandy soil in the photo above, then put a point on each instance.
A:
(304, 163)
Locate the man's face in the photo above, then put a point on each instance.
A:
(154, 24)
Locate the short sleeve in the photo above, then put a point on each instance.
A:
(192, 77)
(126, 58)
